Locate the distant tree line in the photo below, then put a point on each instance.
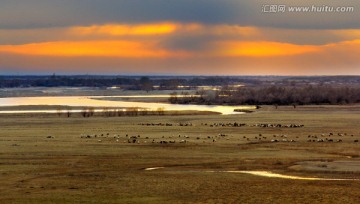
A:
(54, 81)
(149, 83)
(274, 95)
(127, 82)
(111, 112)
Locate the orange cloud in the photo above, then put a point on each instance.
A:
(347, 33)
(162, 29)
(120, 30)
(349, 42)
(261, 49)
(127, 49)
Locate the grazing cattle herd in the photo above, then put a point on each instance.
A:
(165, 124)
(233, 136)
(234, 124)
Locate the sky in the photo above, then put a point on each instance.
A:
(180, 37)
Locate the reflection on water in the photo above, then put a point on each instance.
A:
(153, 168)
(134, 96)
(48, 111)
(90, 101)
(274, 175)
(270, 175)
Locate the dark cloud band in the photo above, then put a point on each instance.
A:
(56, 13)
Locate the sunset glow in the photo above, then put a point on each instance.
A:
(125, 49)
(231, 37)
(263, 49)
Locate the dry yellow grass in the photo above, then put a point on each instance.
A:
(71, 169)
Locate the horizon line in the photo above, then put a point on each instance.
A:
(185, 75)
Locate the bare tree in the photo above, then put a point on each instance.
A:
(160, 110)
(59, 111)
(68, 112)
(173, 97)
(91, 111)
(84, 113)
(143, 111)
(106, 112)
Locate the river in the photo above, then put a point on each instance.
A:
(92, 101)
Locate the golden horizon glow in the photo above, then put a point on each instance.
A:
(128, 49)
(262, 49)
(151, 49)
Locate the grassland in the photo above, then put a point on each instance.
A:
(49, 159)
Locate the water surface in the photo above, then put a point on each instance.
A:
(91, 101)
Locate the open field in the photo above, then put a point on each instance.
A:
(51, 159)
